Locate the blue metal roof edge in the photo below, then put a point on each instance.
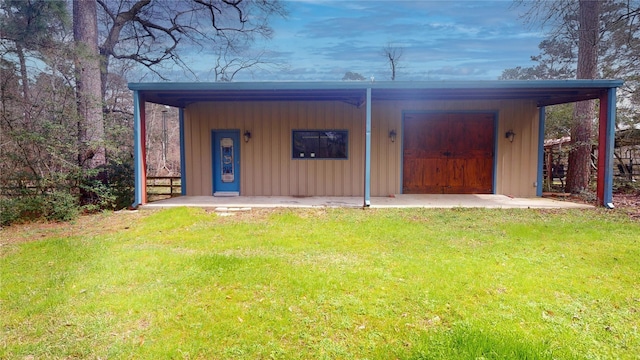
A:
(362, 85)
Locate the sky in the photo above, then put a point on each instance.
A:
(440, 40)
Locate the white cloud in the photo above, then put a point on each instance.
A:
(322, 39)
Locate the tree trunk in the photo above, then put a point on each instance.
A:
(88, 85)
(26, 97)
(23, 73)
(584, 112)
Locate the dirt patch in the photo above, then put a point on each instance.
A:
(110, 222)
(625, 201)
(629, 203)
(86, 225)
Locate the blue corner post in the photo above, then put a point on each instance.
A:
(610, 143)
(367, 153)
(183, 162)
(541, 125)
(138, 143)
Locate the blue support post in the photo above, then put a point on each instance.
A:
(367, 153)
(541, 126)
(138, 143)
(609, 146)
(183, 165)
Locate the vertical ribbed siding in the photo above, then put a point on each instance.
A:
(267, 167)
(517, 167)
(515, 162)
(266, 164)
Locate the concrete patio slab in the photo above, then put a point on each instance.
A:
(396, 201)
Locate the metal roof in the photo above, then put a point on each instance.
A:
(543, 92)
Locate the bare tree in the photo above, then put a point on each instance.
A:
(152, 33)
(393, 55)
(229, 61)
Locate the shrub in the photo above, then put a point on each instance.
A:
(121, 180)
(624, 186)
(9, 212)
(53, 206)
(110, 187)
(61, 206)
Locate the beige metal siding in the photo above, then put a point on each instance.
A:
(516, 163)
(266, 164)
(267, 168)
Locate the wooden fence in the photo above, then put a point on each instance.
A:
(163, 186)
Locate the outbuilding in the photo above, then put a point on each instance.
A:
(368, 139)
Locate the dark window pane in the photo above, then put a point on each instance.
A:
(305, 144)
(319, 144)
(336, 144)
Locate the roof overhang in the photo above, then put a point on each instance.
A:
(543, 92)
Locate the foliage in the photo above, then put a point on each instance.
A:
(558, 120)
(353, 76)
(324, 283)
(31, 25)
(555, 61)
(60, 206)
(53, 206)
(108, 188)
(618, 48)
(8, 211)
(58, 199)
(588, 40)
(622, 185)
(47, 141)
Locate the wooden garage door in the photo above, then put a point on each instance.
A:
(448, 153)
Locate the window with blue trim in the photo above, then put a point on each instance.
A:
(320, 144)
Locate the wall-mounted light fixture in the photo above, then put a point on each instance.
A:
(392, 135)
(510, 135)
(247, 136)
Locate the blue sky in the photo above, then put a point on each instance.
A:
(458, 40)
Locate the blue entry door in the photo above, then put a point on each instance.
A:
(226, 162)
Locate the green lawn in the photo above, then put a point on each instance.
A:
(324, 284)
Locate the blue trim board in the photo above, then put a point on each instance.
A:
(401, 190)
(183, 157)
(138, 162)
(542, 118)
(611, 132)
(212, 141)
(362, 85)
(367, 153)
(544, 92)
(496, 134)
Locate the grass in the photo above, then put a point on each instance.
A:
(324, 284)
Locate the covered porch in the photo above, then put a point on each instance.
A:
(371, 116)
(396, 201)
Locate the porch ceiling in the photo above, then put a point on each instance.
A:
(543, 92)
